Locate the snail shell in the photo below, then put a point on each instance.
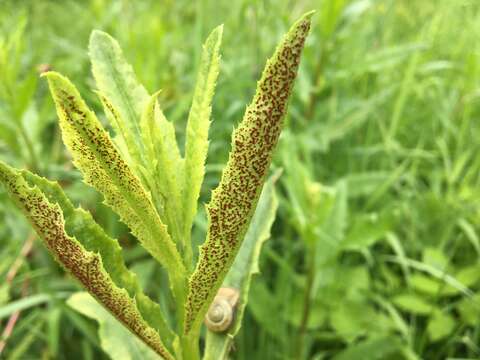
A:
(220, 315)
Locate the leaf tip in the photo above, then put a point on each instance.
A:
(97, 35)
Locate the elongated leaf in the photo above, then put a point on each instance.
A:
(127, 103)
(196, 145)
(80, 224)
(244, 267)
(158, 149)
(115, 340)
(123, 137)
(233, 202)
(48, 221)
(103, 168)
(117, 82)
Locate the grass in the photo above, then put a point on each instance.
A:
(375, 251)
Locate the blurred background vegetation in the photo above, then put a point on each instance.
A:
(375, 251)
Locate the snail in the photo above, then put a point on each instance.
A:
(221, 313)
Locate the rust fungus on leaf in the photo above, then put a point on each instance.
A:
(233, 202)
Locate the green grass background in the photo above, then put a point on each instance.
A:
(375, 250)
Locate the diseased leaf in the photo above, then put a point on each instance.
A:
(233, 202)
(80, 224)
(125, 102)
(103, 168)
(115, 340)
(123, 136)
(244, 267)
(196, 145)
(46, 217)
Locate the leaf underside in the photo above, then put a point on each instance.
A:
(44, 211)
(233, 203)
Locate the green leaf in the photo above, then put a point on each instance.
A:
(317, 315)
(469, 309)
(367, 230)
(440, 325)
(435, 258)
(265, 306)
(233, 203)
(244, 267)
(384, 347)
(123, 138)
(155, 130)
(126, 101)
(413, 304)
(196, 142)
(46, 216)
(354, 319)
(426, 284)
(103, 168)
(115, 340)
(117, 82)
(330, 234)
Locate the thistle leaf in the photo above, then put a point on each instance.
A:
(47, 218)
(126, 103)
(103, 168)
(156, 132)
(196, 145)
(123, 137)
(233, 202)
(92, 237)
(117, 82)
(244, 267)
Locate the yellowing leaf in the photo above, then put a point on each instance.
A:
(233, 202)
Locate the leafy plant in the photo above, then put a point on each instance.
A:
(154, 189)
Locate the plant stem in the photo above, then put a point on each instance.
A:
(30, 149)
(190, 346)
(306, 303)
